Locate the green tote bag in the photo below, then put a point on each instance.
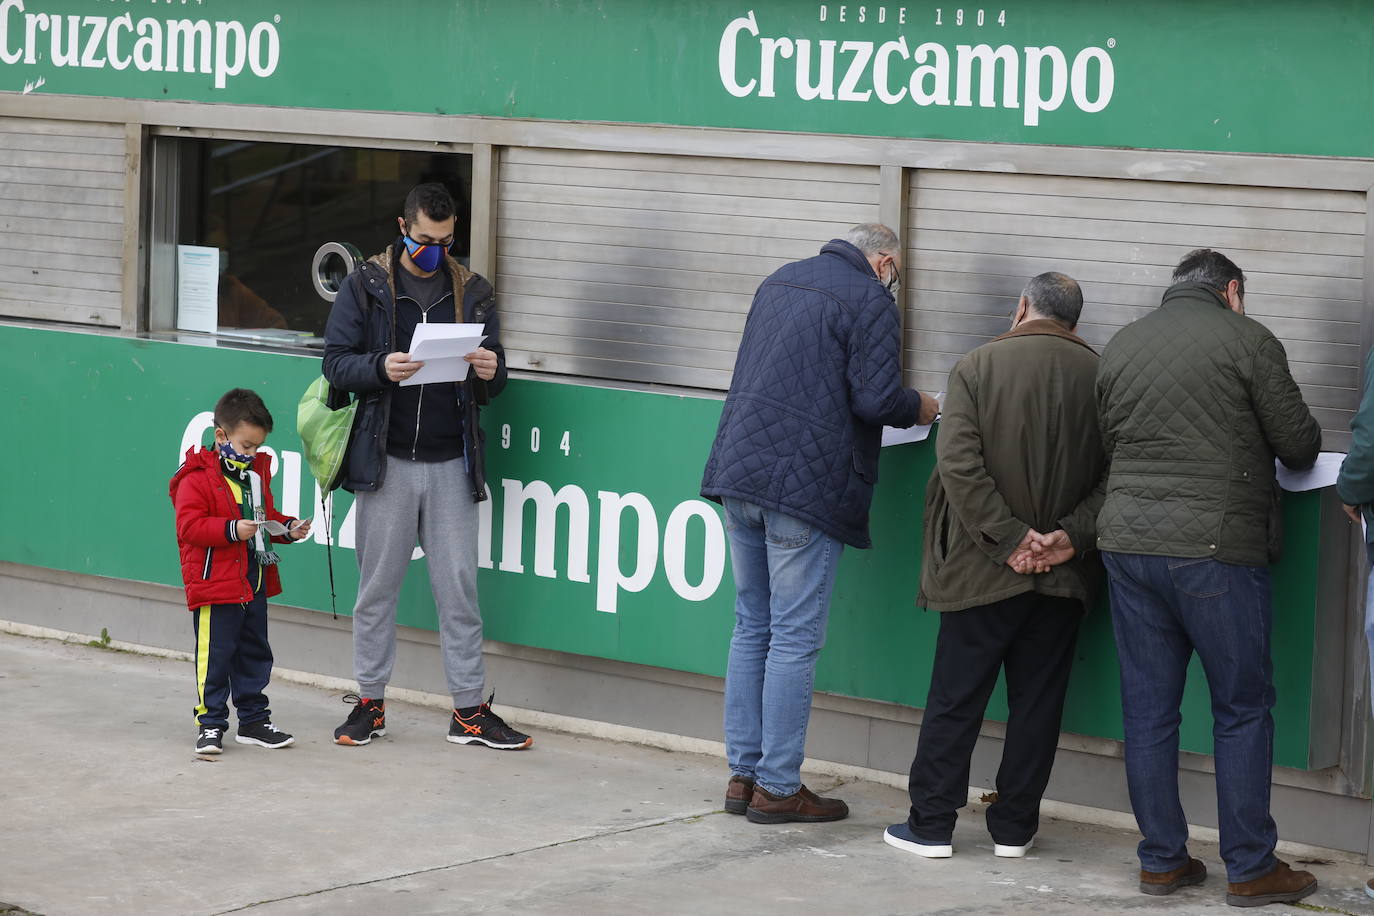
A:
(323, 420)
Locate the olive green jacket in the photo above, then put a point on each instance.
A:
(1195, 402)
(1018, 447)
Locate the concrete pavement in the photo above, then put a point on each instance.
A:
(104, 809)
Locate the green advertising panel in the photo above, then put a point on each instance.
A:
(594, 541)
(1262, 76)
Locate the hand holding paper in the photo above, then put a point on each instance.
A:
(442, 348)
(299, 530)
(918, 433)
(399, 366)
(483, 362)
(1321, 474)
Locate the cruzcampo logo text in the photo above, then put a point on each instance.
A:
(907, 70)
(223, 48)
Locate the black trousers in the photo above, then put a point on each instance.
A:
(1033, 636)
(232, 659)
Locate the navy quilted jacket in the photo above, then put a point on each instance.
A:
(817, 377)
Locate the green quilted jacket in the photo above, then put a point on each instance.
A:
(1194, 402)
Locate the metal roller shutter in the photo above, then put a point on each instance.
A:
(61, 220)
(976, 237)
(642, 267)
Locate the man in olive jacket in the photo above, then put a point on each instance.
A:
(1196, 400)
(1018, 454)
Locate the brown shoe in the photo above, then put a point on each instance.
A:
(801, 805)
(738, 793)
(1281, 885)
(1369, 887)
(1160, 883)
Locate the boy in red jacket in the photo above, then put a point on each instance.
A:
(223, 510)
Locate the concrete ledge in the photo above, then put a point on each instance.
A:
(849, 737)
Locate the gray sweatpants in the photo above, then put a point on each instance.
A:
(431, 502)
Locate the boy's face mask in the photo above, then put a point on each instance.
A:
(250, 442)
(234, 456)
(427, 257)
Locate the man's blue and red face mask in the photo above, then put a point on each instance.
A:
(427, 256)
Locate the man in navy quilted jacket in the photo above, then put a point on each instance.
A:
(794, 462)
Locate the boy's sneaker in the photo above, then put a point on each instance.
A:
(210, 740)
(486, 727)
(365, 722)
(263, 734)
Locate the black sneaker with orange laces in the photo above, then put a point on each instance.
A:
(486, 727)
(365, 722)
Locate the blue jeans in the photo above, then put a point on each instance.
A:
(1163, 610)
(784, 570)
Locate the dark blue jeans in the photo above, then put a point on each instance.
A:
(1163, 610)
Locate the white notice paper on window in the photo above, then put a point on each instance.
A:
(1321, 474)
(197, 288)
(441, 347)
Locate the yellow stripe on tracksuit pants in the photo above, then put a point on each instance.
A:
(202, 656)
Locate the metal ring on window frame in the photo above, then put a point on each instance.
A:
(322, 281)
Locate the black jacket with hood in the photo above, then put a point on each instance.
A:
(359, 335)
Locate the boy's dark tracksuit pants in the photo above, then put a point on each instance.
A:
(232, 659)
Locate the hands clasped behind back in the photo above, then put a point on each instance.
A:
(1039, 553)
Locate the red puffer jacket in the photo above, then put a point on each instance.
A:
(214, 565)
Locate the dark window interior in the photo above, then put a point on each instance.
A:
(269, 206)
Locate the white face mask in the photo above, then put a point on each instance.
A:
(894, 281)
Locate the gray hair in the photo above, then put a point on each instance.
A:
(1055, 296)
(871, 238)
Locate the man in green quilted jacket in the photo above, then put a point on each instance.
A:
(1356, 488)
(1195, 401)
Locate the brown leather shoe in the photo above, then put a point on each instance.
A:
(801, 805)
(738, 793)
(1281, 885)
(1160, 883)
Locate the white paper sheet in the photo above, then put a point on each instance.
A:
(894, 436)
(197, 288)
(1322, 474)
(275, 528)
(441, 347)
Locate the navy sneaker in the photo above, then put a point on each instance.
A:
(210, 740)
(901, 837)
(263, 734)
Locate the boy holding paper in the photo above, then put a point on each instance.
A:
(415, 460)
(224, 515)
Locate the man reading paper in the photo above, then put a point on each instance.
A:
(415, 461)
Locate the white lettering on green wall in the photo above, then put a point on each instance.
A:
(221, 48)
(1032, 79)
(629, 516)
